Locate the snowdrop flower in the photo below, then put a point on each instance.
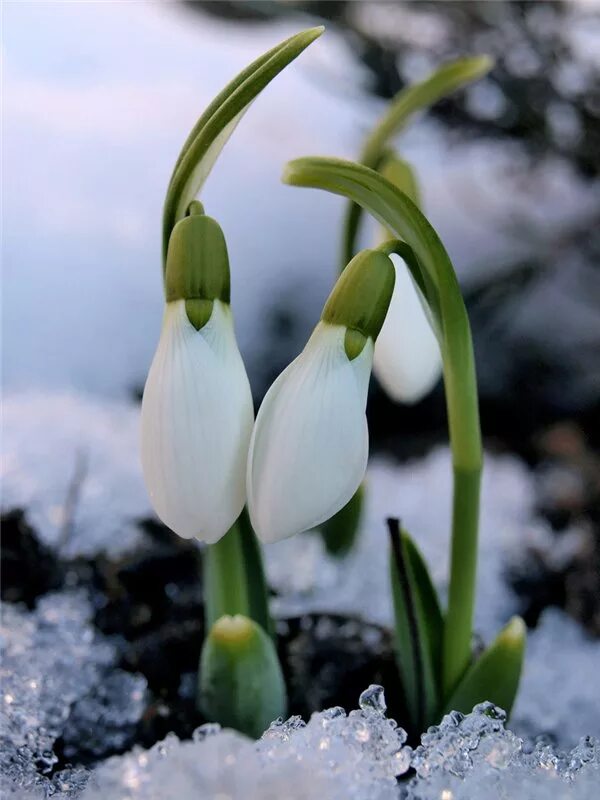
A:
(309, 448)
(407, 359)
(197, 412)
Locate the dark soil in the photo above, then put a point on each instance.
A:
(151, 602)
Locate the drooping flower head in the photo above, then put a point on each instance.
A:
(309, 447)
(407, 360)
(197, 409)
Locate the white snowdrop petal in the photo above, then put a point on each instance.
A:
(407, 359)
(309, 448)
(197, 420)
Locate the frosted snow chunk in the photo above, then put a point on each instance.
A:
(474, 756)
(71, 462)
(460, 743)
(363, 745)
(355, 756)
(334, 755)
(56, 681)
(559, 693)
(221, 765)
(50, 659)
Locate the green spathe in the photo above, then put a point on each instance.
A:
(197, 265)
(241, 684)
(360, 299)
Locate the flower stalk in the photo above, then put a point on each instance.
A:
(436, 276)
(197, 418)
(234, 577)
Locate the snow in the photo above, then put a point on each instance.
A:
(355, 756)
(559, 693)
(72, 463)
(58, 681)
(475, 756)
(419, 493)
(337, 756)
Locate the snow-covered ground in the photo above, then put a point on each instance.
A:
(72, 463)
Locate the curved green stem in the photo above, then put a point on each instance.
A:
(442, 292)
(402, 107)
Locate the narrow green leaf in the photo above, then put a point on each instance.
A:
(496, 673)
(339, 532)
(418, 628)
(215, 126)
(441, 83)
(428, 604)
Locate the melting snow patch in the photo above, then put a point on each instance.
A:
(559, 694)
(419, 493)
(72, 464)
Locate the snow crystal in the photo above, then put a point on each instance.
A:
(357, 756)
(474, 756)
(559, 693)
(57, 681)
(72, 464)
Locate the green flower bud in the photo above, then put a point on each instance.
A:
(241, 685)
(197, 265)
(360, 299)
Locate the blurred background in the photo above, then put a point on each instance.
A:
(99, 97)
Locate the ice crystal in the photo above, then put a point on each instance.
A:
(57, 681)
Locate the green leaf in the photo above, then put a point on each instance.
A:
(215, 126)
(418, 628)
(339, 532)
(496, 673)
(441, 83)
(240, 682)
